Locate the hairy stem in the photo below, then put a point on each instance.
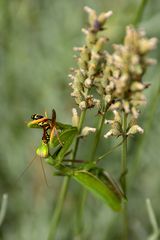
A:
(64, 188)
(123, 177)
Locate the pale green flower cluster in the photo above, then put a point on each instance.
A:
(124, 71)
(116, 77)
(91, 60)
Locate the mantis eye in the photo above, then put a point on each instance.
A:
(36, 116)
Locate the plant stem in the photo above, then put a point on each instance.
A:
(81, 120)
(91, 159)
(109, 151)
(64, 188)
(97, 137)
(98, 134)
(123, 177)
(140, 12)
(124, 155)
(58, 210)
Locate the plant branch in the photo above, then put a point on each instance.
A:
(60, 201)
(58, 210)
(91, 159)
(111, 150)
(123, 177)
(98, 133)
(140, 12)
(81, 120)
(124, 155)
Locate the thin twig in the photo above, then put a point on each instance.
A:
(98, 134)
(123, 177)
(111, 150)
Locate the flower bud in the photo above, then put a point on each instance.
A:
(75, 118)
(117, 116)
(82, 105)
(85, 54)
(107, 98)
(108, 134)
(108, 121)
(135, 129)
(87, 130)
(99, 44)
(147, 45)
(137, 86)
(88, 83)
(104, 16)
(91, 39)
(92, 15)
(125, 105)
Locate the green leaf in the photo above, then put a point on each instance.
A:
(66, 137)
(63, 126)
(102, 186)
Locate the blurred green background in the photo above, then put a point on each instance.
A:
(36, 42)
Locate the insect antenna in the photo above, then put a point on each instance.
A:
(44, 173)
(26, 168)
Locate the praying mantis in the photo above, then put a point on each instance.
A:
(57, 139)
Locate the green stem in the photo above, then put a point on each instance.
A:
(81, 204)
(140, 12)
(60, 201)
(58, 210)
(98, 134)
(92, 158)
(81, 120)
(110, 151)
(123, 177)
(97, 137)
(124, 155)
